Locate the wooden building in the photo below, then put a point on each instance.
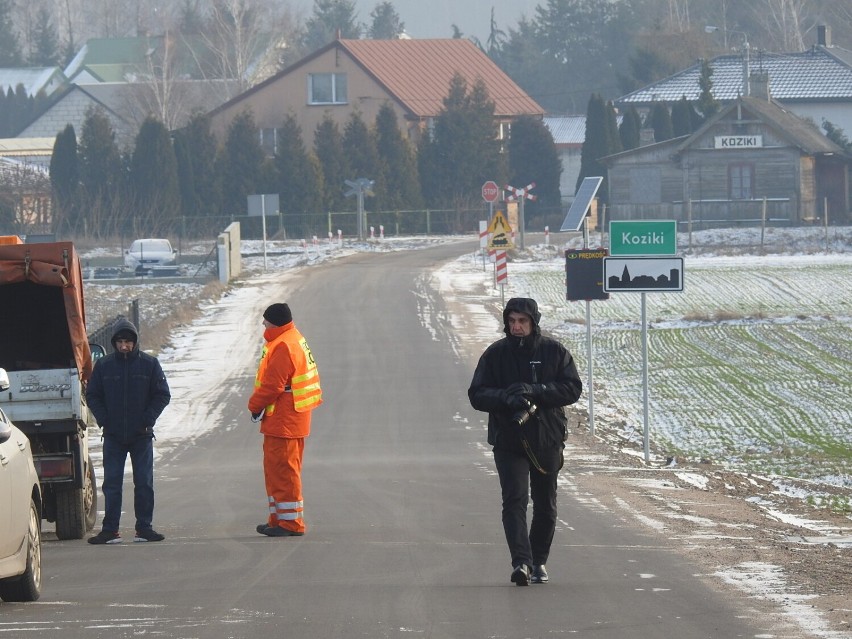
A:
(752, 160)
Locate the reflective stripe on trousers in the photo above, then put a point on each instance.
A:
(282, 472)
(285, 510)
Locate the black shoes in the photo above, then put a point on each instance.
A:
(521, 575)
(539, 575)
(105, 537)
(277, 531)
(148, 535)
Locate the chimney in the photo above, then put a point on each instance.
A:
(758, 82)
(824, 35)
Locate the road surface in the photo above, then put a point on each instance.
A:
(401, 502)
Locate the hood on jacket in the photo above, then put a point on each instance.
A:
(524, 305)
(124, 325)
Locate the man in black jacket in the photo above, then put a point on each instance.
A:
(126, 393)
(523, 381)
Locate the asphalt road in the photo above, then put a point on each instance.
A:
(402, 507)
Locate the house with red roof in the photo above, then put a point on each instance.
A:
(347, 76)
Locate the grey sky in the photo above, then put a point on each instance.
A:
(434, 18)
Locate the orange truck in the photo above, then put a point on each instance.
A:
(45, 351)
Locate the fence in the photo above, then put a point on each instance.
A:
(103, 334)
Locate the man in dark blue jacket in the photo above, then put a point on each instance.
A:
(523, 382)
(126, 393)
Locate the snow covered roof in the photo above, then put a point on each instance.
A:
(34, 79)
(821, 74)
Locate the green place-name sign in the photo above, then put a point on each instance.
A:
(642, 237)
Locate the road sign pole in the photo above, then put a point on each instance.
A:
(645, 427)
(360, 216)
(591, 389)
(263, 217)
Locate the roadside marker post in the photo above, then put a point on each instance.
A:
(502, 272)
(483, 240)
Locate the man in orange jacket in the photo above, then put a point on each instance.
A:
(286, 390)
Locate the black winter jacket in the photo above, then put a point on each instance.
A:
(544, 364)
(127, 392)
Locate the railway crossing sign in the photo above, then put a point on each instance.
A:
(521, 194)
(499, 232)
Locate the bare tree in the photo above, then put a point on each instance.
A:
(783, 22)
(25, 191)
(678, 15)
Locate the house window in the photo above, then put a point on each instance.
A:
(741, 181)
(269, 141)
(327, 88)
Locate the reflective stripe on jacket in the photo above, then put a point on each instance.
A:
(287, 384)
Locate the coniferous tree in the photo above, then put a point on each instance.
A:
(328, 148)
(387, 24)
(683, 117)
(101, 175)
(398, 165)
(836, 135)
(613, 140)
(595, 144)
(10, 48)
(359, 147)
(628, 132)
(299, 184)
(186, 178)
(464, 152)
(152, 180)
(46, 40)
(661, 122)
(707, 103)
(241, 164)
(65, 180)
(201, 153)
(533, 158)
(329, 17)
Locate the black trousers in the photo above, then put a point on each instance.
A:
(520, 480)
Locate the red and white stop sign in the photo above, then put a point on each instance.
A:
(490, 191)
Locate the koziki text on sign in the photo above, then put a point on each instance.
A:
(643, 237)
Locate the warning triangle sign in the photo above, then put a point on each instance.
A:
(499, 232)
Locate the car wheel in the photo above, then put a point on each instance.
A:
(27, 587)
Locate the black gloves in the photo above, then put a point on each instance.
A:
(530, 391)
(517, 397)
(519, 388)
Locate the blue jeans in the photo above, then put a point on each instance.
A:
(141, 453)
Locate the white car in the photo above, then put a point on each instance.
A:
(149, 252)
(20, 505)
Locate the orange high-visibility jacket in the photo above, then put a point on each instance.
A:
(287, 384)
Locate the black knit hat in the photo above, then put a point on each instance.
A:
(278, 314)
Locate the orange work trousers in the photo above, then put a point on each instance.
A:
(282, 472)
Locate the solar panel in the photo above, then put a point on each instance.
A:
(585, 194)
